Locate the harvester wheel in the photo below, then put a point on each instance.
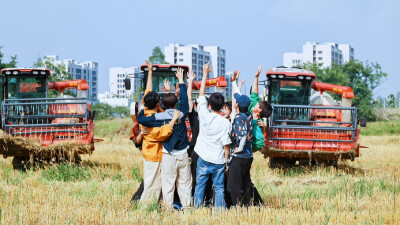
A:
(21, 163)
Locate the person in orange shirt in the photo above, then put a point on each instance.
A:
(152, 142)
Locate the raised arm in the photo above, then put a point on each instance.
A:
(149, 85)
(235, 89)
(206, 71)
(255, 84)
(190, 80)
(241, 84)
(183, 97)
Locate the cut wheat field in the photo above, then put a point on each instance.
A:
(366, 191)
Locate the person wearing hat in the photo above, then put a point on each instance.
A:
(242, 133)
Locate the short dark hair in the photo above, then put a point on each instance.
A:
(228, 105)
(216, 101)
(195, 101)
(266, 109)
(169, 100)
(243, 109)
(151, 99)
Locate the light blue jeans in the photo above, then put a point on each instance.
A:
(204, 169)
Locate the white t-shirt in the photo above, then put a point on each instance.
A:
(214, 134)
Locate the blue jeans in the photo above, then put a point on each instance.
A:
(204, 169)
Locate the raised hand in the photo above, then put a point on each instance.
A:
(149, 65)
(241, 84)
(235, 75)
(206, 68)
(191, 76)
(167, 86)
(179, 74)
(258, 71)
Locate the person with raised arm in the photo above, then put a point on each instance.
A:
(259, 109)
(175, 166)
(193, 117)
(212, 144)
(241, 148)
(152, 142)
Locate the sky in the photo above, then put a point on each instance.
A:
(253, 33)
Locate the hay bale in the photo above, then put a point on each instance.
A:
(32, 146)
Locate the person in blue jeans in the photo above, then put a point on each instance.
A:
(212, 145)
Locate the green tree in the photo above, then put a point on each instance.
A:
(103, 111)
(121, 111)
(10, 64)
(363, 78)
(157, 57)
(106, 111)
(58, 73)
(136, 95)
(391, 101)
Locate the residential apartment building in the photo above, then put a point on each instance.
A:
(326, 54)
(194, 56)
(117, 76)
(81, 70)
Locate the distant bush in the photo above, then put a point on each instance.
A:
(105, 111)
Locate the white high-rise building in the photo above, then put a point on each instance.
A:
(326, 54)
(81, 70)
(194, 56)
(116, 81)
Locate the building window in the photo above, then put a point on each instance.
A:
(180, 53)
(78, 71)
(180, 60)
(319, 52)
(319, 58)
(84, 71)
(94, 73)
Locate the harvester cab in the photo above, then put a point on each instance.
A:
(305, 128)
(28, 113)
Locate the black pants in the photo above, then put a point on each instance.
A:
(239, 182)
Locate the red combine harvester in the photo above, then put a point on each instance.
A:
(27, 112)
(308, 128)
(167, 71)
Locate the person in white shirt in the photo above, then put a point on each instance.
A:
(212, 144)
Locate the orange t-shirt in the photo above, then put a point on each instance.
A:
(152, 142)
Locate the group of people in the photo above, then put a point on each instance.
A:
(214, 167)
